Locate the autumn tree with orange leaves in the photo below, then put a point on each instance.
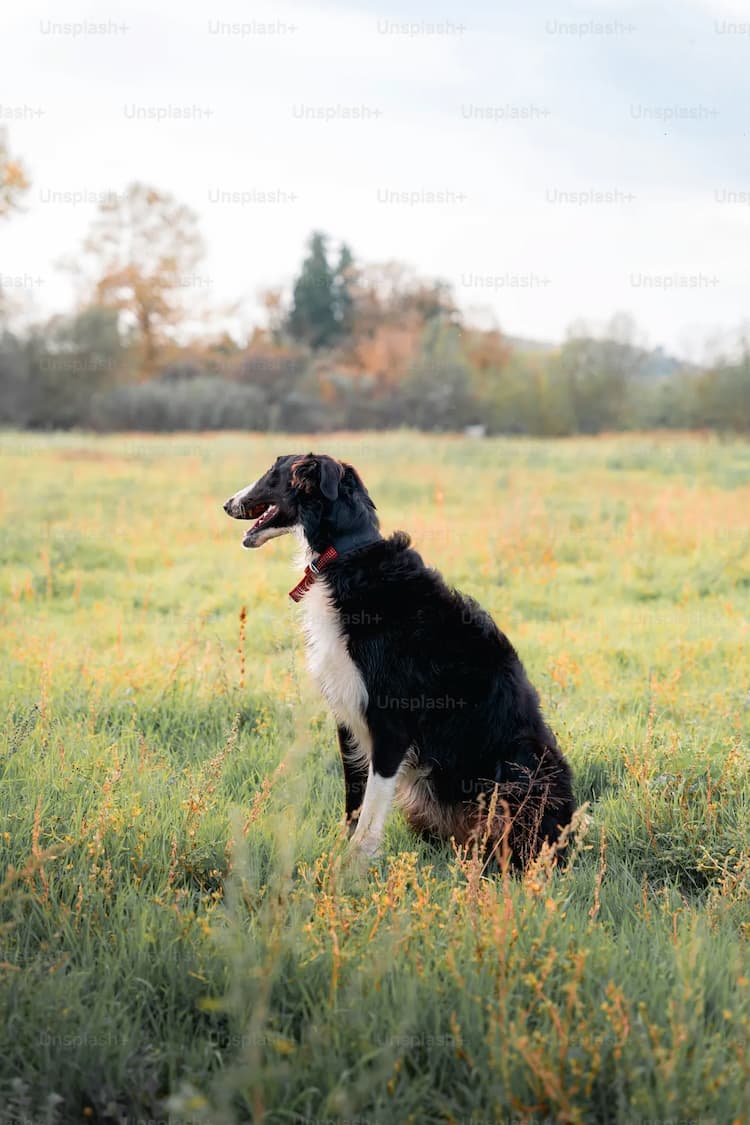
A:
(391, 308)
(139, 258)
(13, 180)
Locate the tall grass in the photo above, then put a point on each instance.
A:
(184, 935)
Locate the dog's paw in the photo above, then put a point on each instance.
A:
(364, 844)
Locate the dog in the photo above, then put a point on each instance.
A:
(433, 708)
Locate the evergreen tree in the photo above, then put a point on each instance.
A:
(312, 319)
(323, 309)
(343, 285)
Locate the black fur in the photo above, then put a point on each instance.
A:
(445, 686)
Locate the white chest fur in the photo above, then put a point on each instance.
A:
(329, 661)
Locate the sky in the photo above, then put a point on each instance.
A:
(555, 163)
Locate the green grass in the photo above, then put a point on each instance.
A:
(183, 933)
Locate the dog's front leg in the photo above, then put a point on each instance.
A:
(379, 794)
(354, 759)
(389, 744)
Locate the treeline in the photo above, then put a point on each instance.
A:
(81, 372)
(352, 345)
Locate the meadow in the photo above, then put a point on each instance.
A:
(183, 935)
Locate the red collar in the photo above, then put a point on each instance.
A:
(311, 573)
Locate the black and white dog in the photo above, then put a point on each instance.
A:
(432, 703)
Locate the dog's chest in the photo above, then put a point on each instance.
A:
(328, 657)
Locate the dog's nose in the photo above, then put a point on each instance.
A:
(228, 505)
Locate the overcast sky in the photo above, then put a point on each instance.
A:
(552, 161)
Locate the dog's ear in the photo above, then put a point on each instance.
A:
(313, 473)
(331, 473)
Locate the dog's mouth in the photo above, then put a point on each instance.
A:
(266, 516)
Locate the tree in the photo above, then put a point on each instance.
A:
(720, 397)
(13, 184)
(488, 353)
(49, 379)
(13, 180)
(322, 311)
(598, 375)
(272, 302)
(14, 380)
(436, 395)
(389, 311)
(343, 284)
(390, 293)
(141, 251)
(312, 319)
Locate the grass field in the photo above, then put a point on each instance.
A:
(183, 937)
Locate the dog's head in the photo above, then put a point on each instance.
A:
(312, 493)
